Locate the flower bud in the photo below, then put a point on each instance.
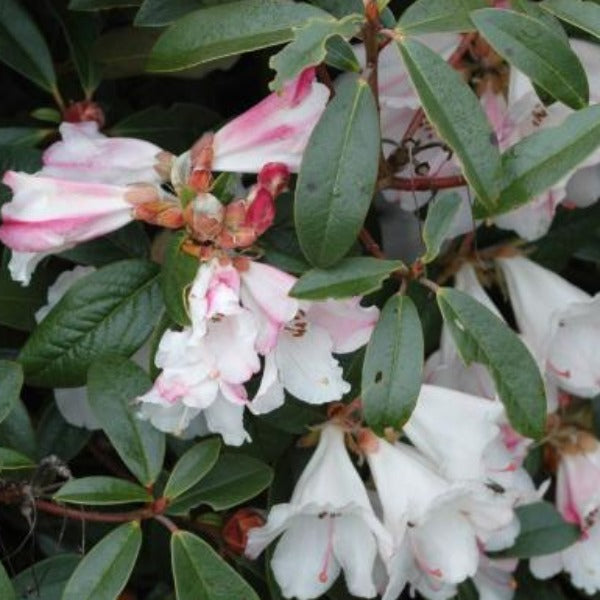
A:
(235, 531)
(274, 177)
(86, 110)
(205, 215)
(261, 212)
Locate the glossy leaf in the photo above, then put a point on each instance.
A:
(542, 159)
(393, 366)
(338, 174)
(177, 274)
(440, 217)
(481, 336)
(157, 13)
(11, 460)
(543, 531)
(48, 577)
(227, 29)
(201, 574)
(584, 15)
(536, 50)
(103, 572)
(309, 46)
(101, 4)
(458, 117)
(11, 381)
(101, 490)
(355, 276)
(192, 467)
(113, 384)
(433, 16)
(234, 479)
(7, 591)
(110, 311)
(22, 46)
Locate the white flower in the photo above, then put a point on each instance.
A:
(328, 526)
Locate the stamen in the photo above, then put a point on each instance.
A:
(323, 575)
(566, 373)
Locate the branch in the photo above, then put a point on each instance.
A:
(420, 184)
(51, 508)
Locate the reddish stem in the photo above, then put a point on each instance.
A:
(371, 246)
(419, 184)
(98, 517)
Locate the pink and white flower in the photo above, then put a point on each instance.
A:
(85, 154)
(327, 527)
(559, 322)
(48, 215)
(275, 130)
(578, 500)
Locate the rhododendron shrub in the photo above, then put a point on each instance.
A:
(299, 299)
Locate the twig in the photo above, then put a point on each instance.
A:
(419, 184)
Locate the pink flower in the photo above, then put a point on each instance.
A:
(84, 154)
(275, 130)
(49, 215)
(578, 500)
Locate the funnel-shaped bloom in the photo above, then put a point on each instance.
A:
(275, 130)
(84, 154)
(327, 526)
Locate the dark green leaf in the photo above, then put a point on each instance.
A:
(56, 436)
(581, 14)
(11, 460)
(11, 381)
(533, 9)
(201, 574)
(432, 16)
(101, 490)
(350, 277)
(47, 578)
(393, 366)
(157, 13)
(227, 29)
(530, 588)
(16, 431)
(338, 173)
(308, 48)
(110, 311)
(101, 4)
(340, 8)
(440, 216)
(340, 55)
(23, 136)
(177, 274)
(542, 159)
(103, 572)
(538, 51)
(234, 479)
(543, 531)
(192, 467)
(113, 384)
(23, 48)
(7, 591)
(483, 337)
(457, 115)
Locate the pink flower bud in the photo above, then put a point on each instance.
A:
(261, 212)
(274, 177)
(85, 110)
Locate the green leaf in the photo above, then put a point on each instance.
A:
(113, 384)
(48, 114)
(458, 117)
(16, 431)
(308, 48)
(177, 274)
(110, 311)
(340, 8)
(11, 381)
(175, 128)
(433, 16)
(533, 9)
(580, 14)
(529, 588)
(157, 13)
(11, 460)
(542, 159)
(23, 48)
(338, 174)
(7, 591)
(100, 491)
(537, 50)
(543, 531)
(192, 467)
(103, 572)
(56, 436)
(440, 216)
(226, 30)
(23, 136)
(47, 577)
(340, 55)
(483, 337)
(350, 277)
(393, 366)
(234, 479)
(101, 4)
(201, 574)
